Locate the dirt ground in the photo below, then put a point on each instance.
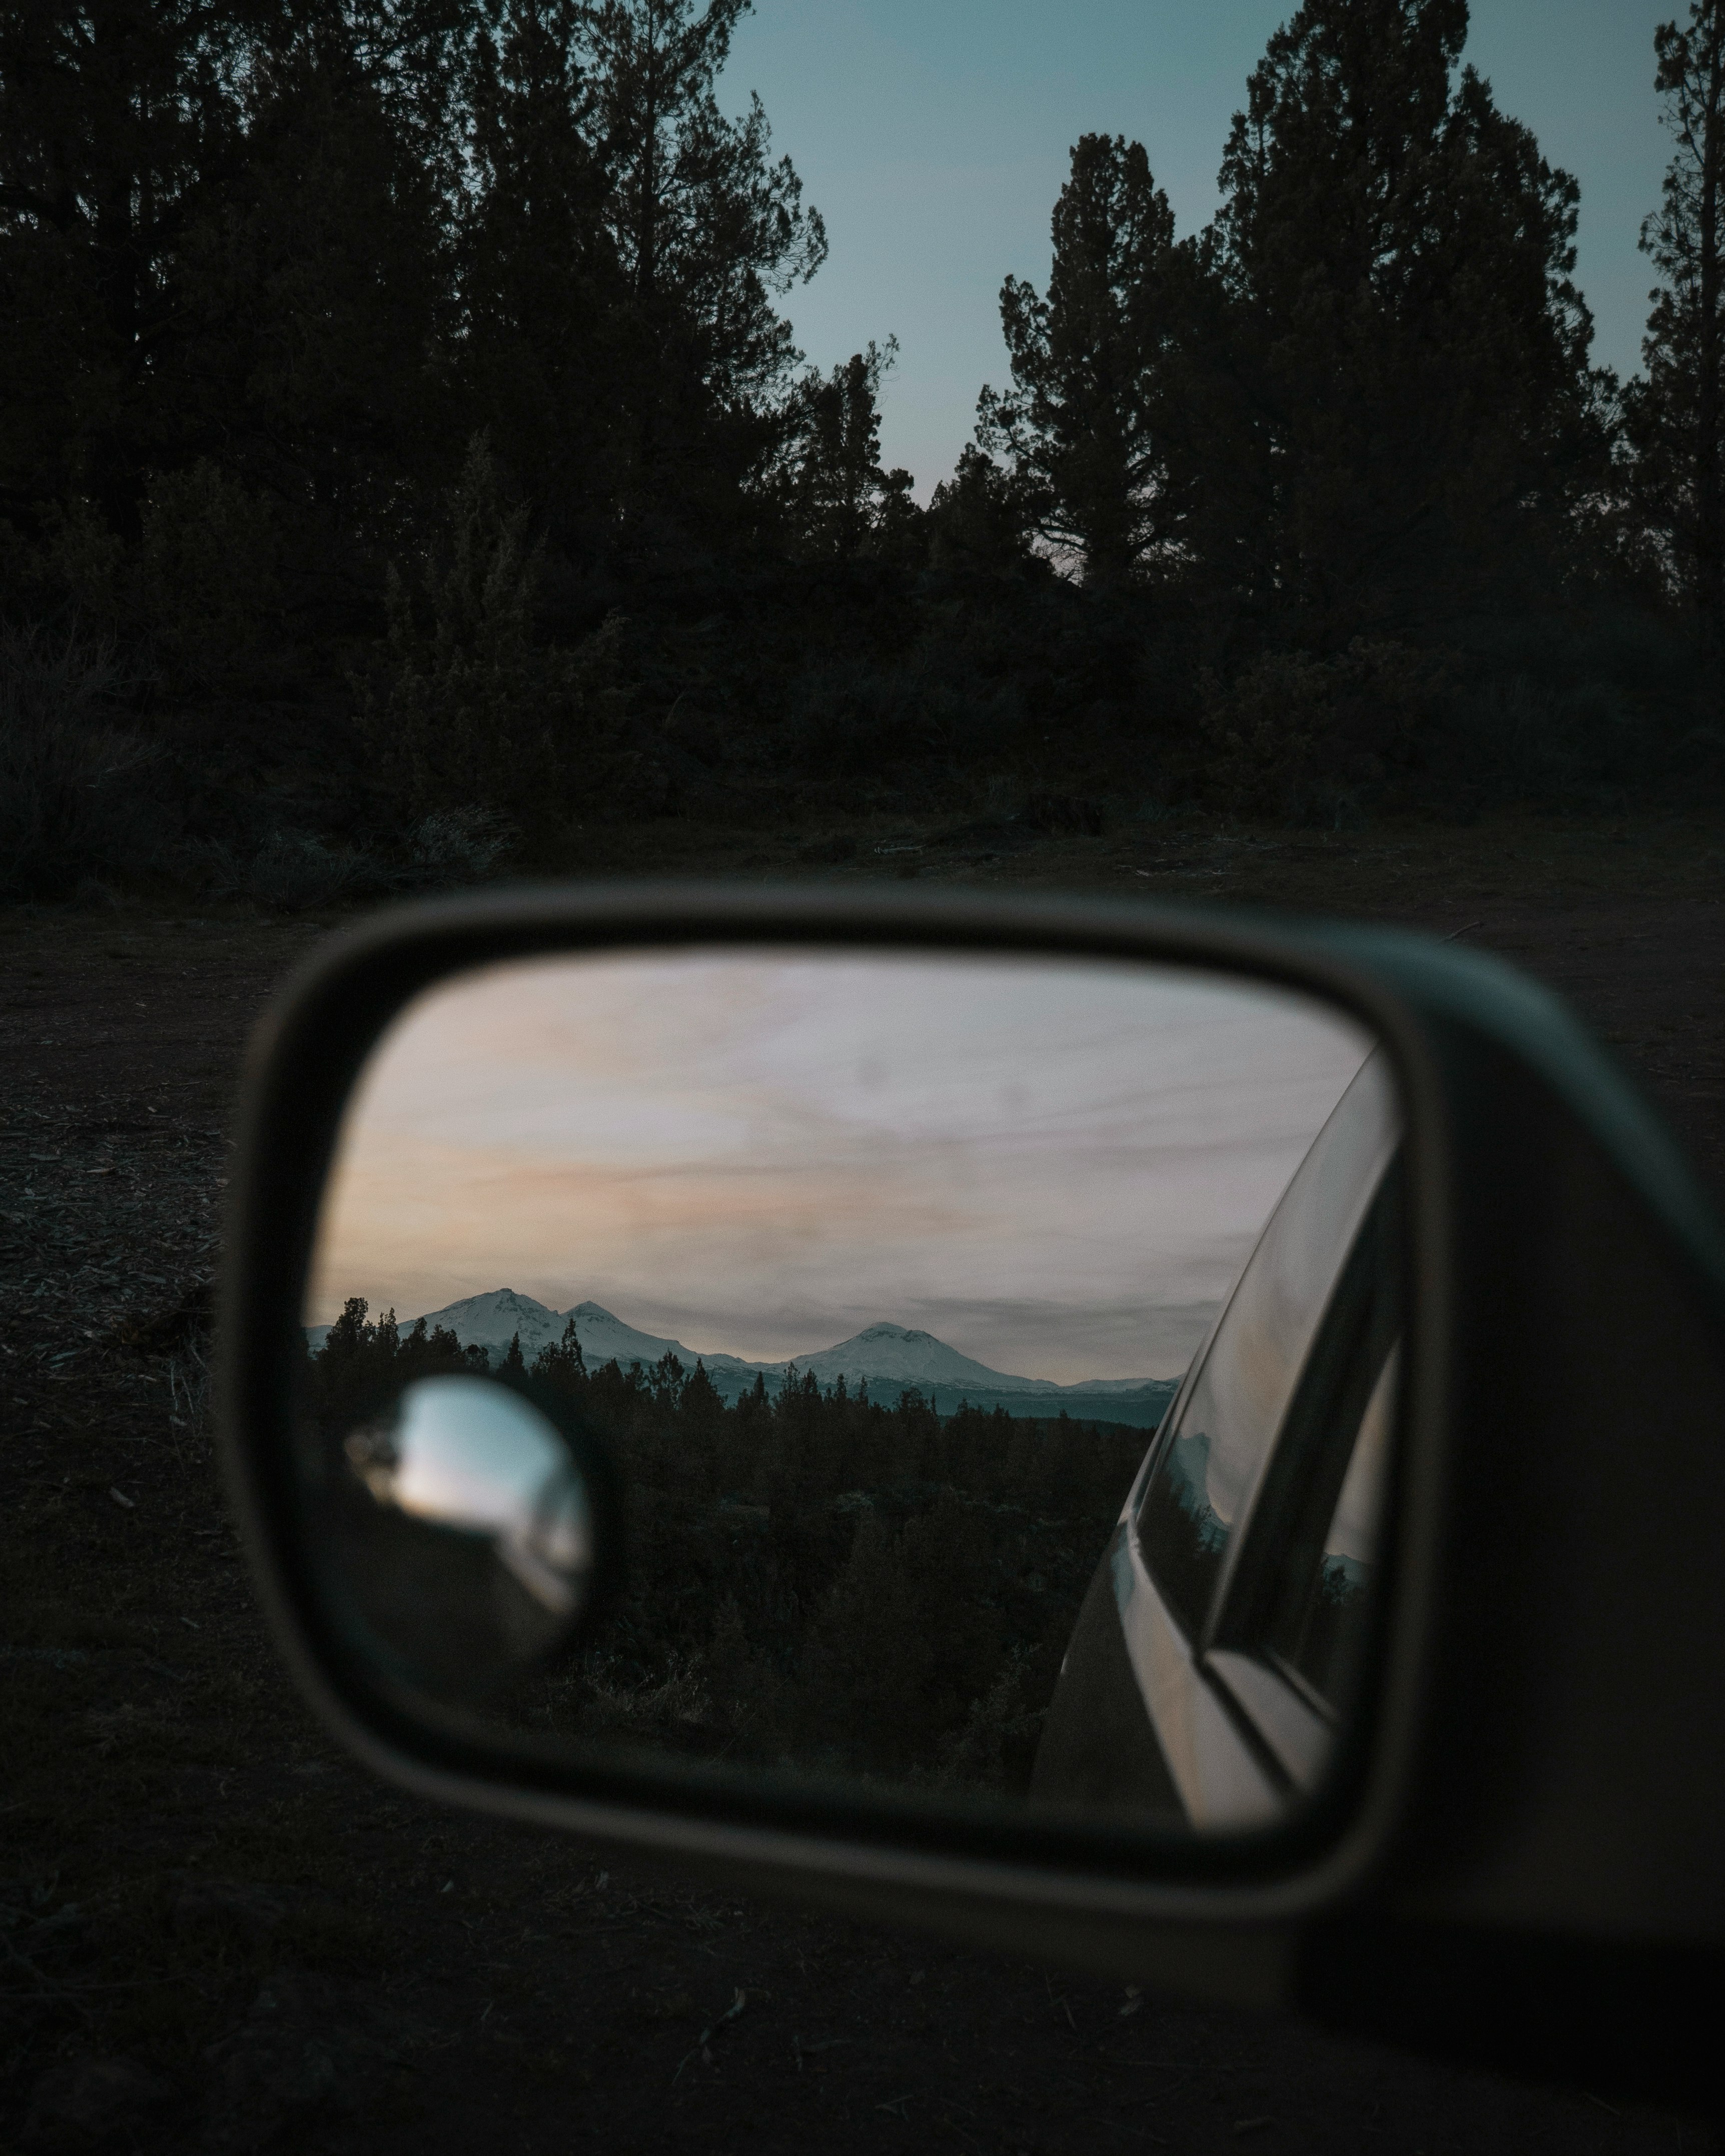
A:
(216, 1933)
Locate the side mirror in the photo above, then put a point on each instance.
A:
(1191, 1448)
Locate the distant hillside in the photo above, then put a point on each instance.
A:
(890, 1359)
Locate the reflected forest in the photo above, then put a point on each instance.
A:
(407, 467)
(810, 1576)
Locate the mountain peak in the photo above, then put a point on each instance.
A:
(881, 1354)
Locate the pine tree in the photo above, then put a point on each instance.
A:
(120, 122)
(844, 504)
(539, 277)
(473, 715)
(709, 232)
(222, 233)
(560, 1362)
(1083, 423)
(319, 292)
(1674, 415)
(1393, 415)
(979, 519)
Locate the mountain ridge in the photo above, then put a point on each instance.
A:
(880, 1355)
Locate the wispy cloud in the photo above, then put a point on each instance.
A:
(1058, 1168)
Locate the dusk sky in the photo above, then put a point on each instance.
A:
(1056, 1168)
(934, 139)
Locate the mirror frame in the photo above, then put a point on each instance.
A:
(1507, 1103)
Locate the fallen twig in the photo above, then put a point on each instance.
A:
(707, 2034)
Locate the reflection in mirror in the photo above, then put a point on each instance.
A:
(458, 1528)
(998, 1357)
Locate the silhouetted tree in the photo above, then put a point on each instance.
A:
(1674, 414)
(1394, 412)
(842, 501)
(540, 280)
(979, 518)
(709, 232)
(121, 122)
(1083, 424)
(319, 292)
(561, 1364)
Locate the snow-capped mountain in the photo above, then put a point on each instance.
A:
(604, 1338)
(888, 1358)
(912, 1358)
(492, 1320)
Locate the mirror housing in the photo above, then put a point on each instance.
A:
(1520, 1859)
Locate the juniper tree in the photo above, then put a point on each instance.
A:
(979, 519)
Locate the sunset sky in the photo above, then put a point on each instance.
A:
(1056, 1168)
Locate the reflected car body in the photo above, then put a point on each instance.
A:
(1216, 1649)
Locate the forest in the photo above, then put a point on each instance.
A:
(810, 1578)
(407, 464)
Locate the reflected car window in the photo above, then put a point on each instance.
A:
(1211, 1460)
(1316, 1626)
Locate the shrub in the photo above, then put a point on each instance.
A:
(81, 562)
(1309, 739)
(996, 1749)
(198, 592)
(72, 797)
(206, 583)
(471, 716)
(462, 845)
(291, 871)
(1519, 738)
(860, 720)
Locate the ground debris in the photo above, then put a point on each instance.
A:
(250, 1908)
(83, 2102)
(705, 2039)
(303, 2049)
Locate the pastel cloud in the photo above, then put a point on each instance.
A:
(1057, 1168)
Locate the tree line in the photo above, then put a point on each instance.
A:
(411, 382)
(812, 1579)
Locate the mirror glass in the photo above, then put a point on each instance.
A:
(455, 1527)
(996, 1356)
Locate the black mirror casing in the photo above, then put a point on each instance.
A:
(1520, 1858)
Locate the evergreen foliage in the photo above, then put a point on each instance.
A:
(540, 280)
(1083, 426)
(411, 381)
(1675, 413)
(844, 504)
(709, 233)
(814, 1579)
(476, 715)
(1405, 404)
